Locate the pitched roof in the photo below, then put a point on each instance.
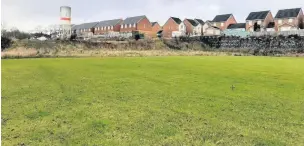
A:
(87, 25)
(236, 26)
(221, 18)
(192, 22)
(132, 20)
(108, 23)
(177, 20)
(271, 25)
(200, 21)
(288, 13)
(257, 15)
(74, 27)
(153, 23)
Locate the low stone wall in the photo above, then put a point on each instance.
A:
(252, 45)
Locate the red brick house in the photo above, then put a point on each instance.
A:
(85, 28)
(223, 21)
(172, 26)
(289, 19)
(155, 28)
(104, 27)
(259, 19)
(138, 23)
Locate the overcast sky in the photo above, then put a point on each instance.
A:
(27, 14)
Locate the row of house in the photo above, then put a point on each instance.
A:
(262, 21)
(119, 26)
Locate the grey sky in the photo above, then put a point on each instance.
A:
(27, 14)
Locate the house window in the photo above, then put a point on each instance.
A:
(134, 25)
(126, 26)
(169, 27)
(259, 22)
(280, 21)
(121, 26)
(214, 24)
(108, 27)
(250, 22)
(130, 25)
(222, 24)
(112, 27)
(144, 25)
(290, 20)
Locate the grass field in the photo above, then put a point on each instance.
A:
(153, 101)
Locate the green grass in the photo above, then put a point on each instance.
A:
(153, 101)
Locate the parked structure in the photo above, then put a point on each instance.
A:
(289, 19)
(139, 24)
(174, 27)
(223, 21)
(258, 21)
(194, 27)
(108, 26)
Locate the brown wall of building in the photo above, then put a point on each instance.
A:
(189, 27)
(143, 25)
(231, 20)
(116, 28)
(285, 21)
(268, 19)
(265, 22)
(169, 27)
(156, 28)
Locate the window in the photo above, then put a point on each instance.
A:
(214, 24)
(121, 26)
(144, 25)
(290, 20)
(169, 27)
(108, 27)
(222, 24)
(134, 25)
(259, 22)
(130, 25)
(250, 22)
(126, 26)
(111, 27)
(280, 21)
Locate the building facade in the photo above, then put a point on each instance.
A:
(289, 19)
(223, 21)
(258, 21)
(174, 27)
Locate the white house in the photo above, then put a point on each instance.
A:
(209, 29)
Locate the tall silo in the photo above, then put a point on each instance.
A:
(65, 22)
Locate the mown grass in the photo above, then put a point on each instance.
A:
(153, 101)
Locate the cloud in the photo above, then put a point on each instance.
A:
(27, 14)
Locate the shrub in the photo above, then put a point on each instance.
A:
(5, 43)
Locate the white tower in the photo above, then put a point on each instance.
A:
(65, 22)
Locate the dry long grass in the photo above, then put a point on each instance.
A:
(32, 53)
